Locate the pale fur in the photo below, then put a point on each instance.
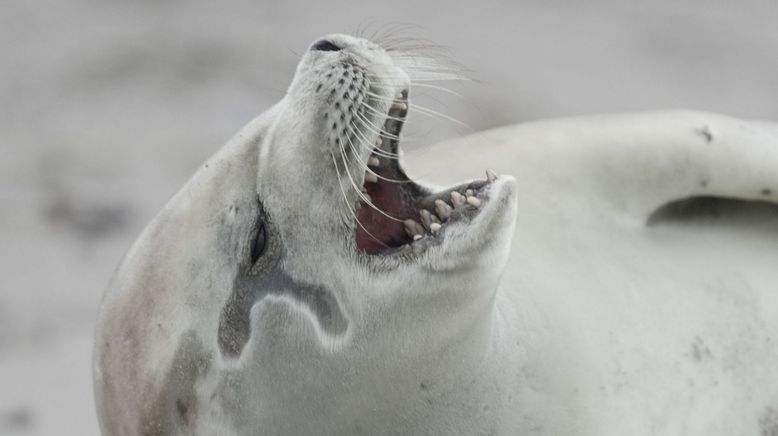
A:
(568, 339)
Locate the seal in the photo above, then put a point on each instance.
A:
(302, 283)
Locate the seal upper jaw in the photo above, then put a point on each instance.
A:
(397, 217)
(360, 103)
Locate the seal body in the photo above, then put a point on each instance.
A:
(271, 296)
(640, 287)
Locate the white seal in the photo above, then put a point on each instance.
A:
(301, 283)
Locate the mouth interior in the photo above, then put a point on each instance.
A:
(402, 213)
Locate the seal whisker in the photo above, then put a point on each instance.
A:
(422, 64)
(439, 88)
(428, 76)
(425, 111)
(380, 131)
(427, 56)
(375, 129)
(372, 148)
(376, 111)
(432, 76)
(391, 31)
(367, 167)
(435, 114)
(356, 187)
(348, 205)
(381, 97)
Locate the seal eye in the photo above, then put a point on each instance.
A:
(258, 246)
(324, 45)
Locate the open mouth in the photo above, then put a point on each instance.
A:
(394, 213)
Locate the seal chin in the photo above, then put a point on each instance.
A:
(397, 216)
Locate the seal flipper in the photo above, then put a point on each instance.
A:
(680, 156)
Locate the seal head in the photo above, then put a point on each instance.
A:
(301, 282)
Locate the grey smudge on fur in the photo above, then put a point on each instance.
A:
(174, 404)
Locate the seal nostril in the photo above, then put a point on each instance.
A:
(325, 45)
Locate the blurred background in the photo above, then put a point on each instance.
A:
(109, 106)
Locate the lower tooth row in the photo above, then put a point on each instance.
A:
(433, 222)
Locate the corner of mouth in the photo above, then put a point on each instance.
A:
(395, 215)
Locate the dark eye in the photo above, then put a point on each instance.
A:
(258, 245)
(324, 45)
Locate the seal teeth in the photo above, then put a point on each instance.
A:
(400, 106)
(426, 218)
(469, 193)
(491, 176)
(373, 161)
(413, 229)
(434, 227)
(443, 209)
(457, 199)
(370, 177)
(473, 201)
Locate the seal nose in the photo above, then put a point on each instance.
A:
(325, 45)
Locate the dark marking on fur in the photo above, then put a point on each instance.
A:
(768, 422)
(700, 351)
(705, 132)
(18, 420)
(261, 276)
(234, 324)
(184, 407)
(258, 242)
(718, 210)
(173, 404)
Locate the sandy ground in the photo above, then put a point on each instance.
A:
(109, 106)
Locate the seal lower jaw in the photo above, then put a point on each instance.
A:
(397, 216)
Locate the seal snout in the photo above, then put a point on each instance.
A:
(325, 45)
(364, 97)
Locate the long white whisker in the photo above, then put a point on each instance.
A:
(439, 88)
(376, 111)
(366, 167)
(427, 77)
(359, 191)
(433, 113)
(348, 205)
(380, 97)
(381, 133)
(375, 129)
(367, 144)
(424, 110)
